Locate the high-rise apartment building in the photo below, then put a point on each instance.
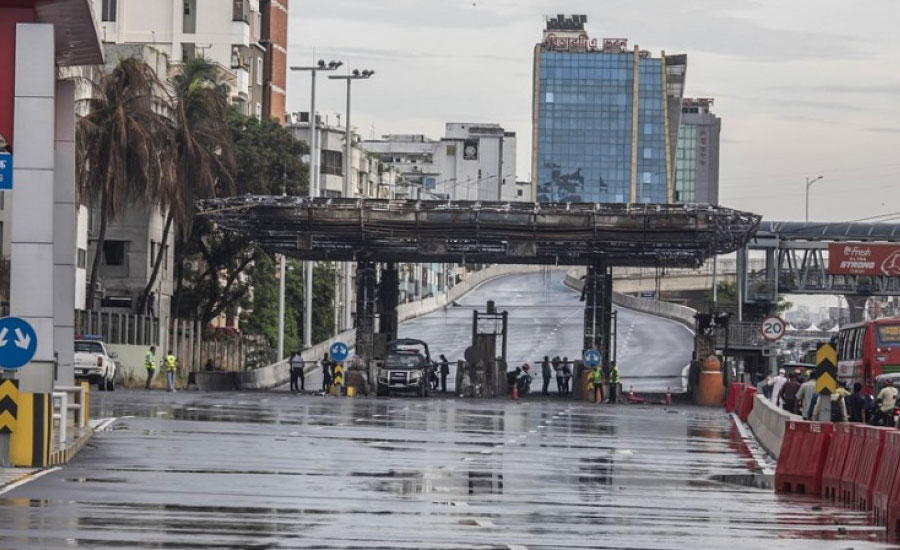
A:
(605, 117)
(697, 159)
(247, 39)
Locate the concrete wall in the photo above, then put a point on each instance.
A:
(767, 423)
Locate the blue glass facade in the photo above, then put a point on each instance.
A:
(586, 122)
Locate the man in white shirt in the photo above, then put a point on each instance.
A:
(885, 401)
(777, 384)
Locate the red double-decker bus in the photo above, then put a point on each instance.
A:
(867, 350)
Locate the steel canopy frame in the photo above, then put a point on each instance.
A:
(484, 232)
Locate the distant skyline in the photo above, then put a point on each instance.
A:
(803, 88)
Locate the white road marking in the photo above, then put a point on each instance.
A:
(21, 482)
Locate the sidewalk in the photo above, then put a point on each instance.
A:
(8, 476)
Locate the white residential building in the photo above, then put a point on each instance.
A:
(473, 161)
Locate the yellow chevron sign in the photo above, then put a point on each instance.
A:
(9, 405)
(826, 369)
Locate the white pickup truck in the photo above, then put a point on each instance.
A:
(95, 364)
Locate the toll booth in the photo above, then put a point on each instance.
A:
(484, 371)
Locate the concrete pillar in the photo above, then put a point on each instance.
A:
(32, 251)
(389, 298)
(856, 308)
(64, 230)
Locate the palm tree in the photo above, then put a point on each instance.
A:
(203, 149)
(122, 147)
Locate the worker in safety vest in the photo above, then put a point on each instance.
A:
(171, 365)
(150, 365)
(614, 380)
(597, 383)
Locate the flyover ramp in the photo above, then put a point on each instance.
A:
(546, 318)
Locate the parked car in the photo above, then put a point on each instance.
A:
(94, 363)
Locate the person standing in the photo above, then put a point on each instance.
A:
(150, 365)
(445, 372)
(856, 405)
(805, 399)
(614, 380)
(788, 394)
(171, 365)
(567, 376)
(546, 374)
(597, 378)
(326, 373)
(777, 384)
(557, 368)
(296, 363)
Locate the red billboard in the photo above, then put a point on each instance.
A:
(864, 259)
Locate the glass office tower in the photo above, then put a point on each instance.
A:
(697, 159)
(605, 118)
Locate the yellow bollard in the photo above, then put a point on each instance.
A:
(351, 391)
(86, 406)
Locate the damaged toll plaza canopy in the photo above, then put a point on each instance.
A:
(374, 231)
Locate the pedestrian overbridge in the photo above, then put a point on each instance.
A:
(372, 231)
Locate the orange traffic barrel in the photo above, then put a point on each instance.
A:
(711, 387)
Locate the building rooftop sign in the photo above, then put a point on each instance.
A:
(562, 22)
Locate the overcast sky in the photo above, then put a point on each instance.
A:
(803, 87)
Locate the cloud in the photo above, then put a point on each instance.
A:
(883, 130)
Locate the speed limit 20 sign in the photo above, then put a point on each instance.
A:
(773, 328)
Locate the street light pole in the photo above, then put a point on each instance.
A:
(809, 183)
(348, 184)
(313, 188)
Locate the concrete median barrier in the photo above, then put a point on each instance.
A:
(802, 461)
(872, 449)
(887, 478)
(767, 423)
(837, 459)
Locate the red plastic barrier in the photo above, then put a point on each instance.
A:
(852, 464)
(873, 447)
(733, 391)
(747, 402)
(834, 464)
(887, 477)
(801, 462)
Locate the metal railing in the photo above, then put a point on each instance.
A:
(118, 328)
(63, 404)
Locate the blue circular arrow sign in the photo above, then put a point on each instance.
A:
(591, 358)
(339, 351)
(18, 342)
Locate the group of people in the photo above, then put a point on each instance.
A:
(442, 369)
(562, 369)
(796, 393)
(169, 362)
(606, 376)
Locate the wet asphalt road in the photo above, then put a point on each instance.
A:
(277, 471)
(273, 471)
(546, 318)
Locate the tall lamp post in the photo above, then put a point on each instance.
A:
(348, 185)
(809, 183)
(313, 192)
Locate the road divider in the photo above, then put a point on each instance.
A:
(887, 478)
(802, 459)
(872, 449)
(836, 461)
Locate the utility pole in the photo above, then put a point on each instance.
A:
(809, 183)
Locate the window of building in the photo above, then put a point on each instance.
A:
(241, 11)
(81, 258)
(259, 70)
(189, 19)
(648, 152)
(109, 10)
(188, 51)
(550, 97)
(259, 110)
(333, 163)
(114, 252)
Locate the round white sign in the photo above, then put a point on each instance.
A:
(773, 328)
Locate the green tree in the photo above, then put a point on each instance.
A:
(203, 149)
(123, 148)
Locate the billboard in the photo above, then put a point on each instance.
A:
(864, 259)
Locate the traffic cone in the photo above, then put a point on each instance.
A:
(515, 392)
(668, 396)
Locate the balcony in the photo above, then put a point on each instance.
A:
(240, 11)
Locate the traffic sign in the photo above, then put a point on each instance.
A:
(826, 369)
(339, 351)
(18, 342)
(773, 328)
(9, 405)
(592, 358)
(6, 171)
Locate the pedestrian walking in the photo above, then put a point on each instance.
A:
(885, 402)
(856, 405)
(557, 368)
(296, 363)
(788, 394)
(326, 373)
(546, 374)
(512, 377)
(777, 383)
(805, 398)
(150, 365)
(614, 380)
(445, 372)
(171, 366)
